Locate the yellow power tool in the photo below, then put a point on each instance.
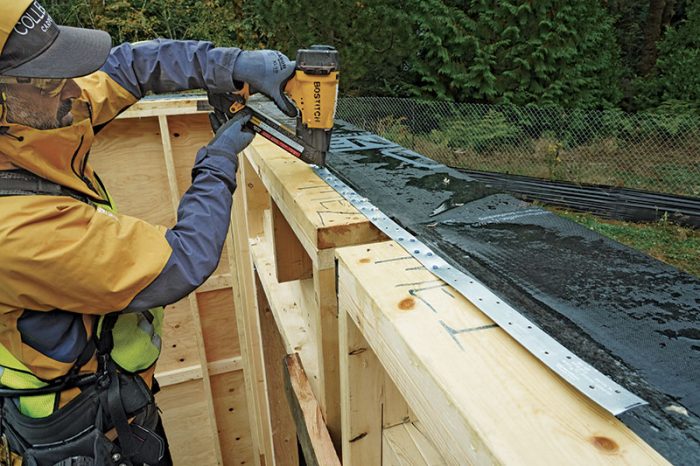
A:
(314, 90)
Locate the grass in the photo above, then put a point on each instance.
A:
(668, 242)
(655, 162)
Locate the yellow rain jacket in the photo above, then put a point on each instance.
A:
(65, 262)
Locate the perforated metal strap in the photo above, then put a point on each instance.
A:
(589, 381)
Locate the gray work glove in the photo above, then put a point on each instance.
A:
(232, 136)
(266, 71)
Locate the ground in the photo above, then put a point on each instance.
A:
(668, 242)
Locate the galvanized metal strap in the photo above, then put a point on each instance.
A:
(589, 381)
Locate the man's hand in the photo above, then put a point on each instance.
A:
(232, 137)
(266, 71)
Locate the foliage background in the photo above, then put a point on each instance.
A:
(636, 56)
(612, 55)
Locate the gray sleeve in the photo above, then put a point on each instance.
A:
(164, 65)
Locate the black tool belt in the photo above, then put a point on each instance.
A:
(74, 435)
(24, 183)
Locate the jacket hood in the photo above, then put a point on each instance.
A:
(59, 155)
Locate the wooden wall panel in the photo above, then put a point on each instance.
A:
(128, 156)
(185, 417)
(218, 324)
(188, 134)
(230, 405)
(179, 346)
(145, 161)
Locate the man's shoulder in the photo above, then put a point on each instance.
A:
(38, 214)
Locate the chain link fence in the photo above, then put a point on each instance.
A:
(641, 151)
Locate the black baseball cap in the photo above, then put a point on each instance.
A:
(32, 45)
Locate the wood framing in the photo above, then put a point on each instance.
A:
(481, 398)
(405, 445)
(294, 222)
(282, 422)
(291, 260)
(145, 158)
(370, 402)
(313, 435)
(385, 363)
(249, 329)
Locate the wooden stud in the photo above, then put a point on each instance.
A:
(361, 377)
(326, 328)
(369, 400)
(289, 306)
(248, 326)
(284, 436)
(311, 428)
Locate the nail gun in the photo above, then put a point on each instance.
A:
(314, 90)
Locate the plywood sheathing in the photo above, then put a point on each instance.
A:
(145, 158)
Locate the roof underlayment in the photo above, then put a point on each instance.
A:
(628, 315)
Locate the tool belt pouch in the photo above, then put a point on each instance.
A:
(74, 433)
(89, 448)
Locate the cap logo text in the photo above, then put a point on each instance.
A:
(35, 16)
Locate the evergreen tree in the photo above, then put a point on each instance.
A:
(219, 21)
(674, 83)
(373, 38)
(446, 62)
(545, 52)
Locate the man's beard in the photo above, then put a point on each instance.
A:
(63, 116)
(21, 113)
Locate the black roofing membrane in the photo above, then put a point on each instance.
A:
(605, 201)
(630, 316)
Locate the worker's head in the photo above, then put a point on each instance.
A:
(39, 103)
(37, 61)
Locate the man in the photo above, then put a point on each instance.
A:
(81, 286)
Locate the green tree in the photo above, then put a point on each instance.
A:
(674, 83)
(545, 52)
(219, 21)
(373, 38)
(640, 26)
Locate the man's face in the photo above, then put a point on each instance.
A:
(41, 103)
